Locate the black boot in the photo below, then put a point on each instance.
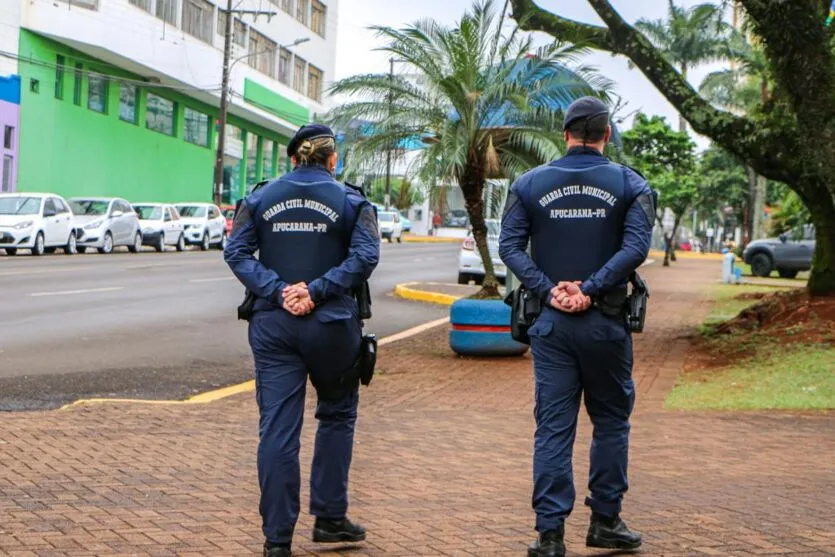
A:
(549, 544)
(276, 550)
(611, 533)
(337, 531)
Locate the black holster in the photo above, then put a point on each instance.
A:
(637, 303)
(361, 373)
(525, 308)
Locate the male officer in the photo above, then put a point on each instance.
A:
(589, 222)
(317, 241)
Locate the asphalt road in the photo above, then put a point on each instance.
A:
(155, 325)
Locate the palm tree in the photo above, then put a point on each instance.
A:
(743, 88)
(688, 37)
(484, 104)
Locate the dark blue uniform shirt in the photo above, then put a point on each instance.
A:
(307, 228)
(588, 220)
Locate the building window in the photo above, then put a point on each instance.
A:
(59, 77)
(8, 162)
(160, 114)
(97, 93)
(282, 160)
(318, 19)
(251, 159)
(285, 61)
(238, 33)
(298, 74)
(287, 6)
(197, 127)
(262, 53)
(314, 82)
(302, 10)
(8, 137)
(167, 11)
(34, 85)
(142, 4)
(127, 102)
(198, 19)
(267, 157)
(76, 89)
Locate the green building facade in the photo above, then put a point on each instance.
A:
(88, 128)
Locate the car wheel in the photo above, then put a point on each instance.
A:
(137, 244)
(787, 273)
(11, 251)
(72, 245)
(761, 265)
(223, 241)
(464, 278)
(205, 244)
(82, 249)
(181, 243)
(107, 248)
(160, 247)
(38, 249)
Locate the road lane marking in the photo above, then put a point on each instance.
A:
(247, 386)
(216, 279)
(72, 292)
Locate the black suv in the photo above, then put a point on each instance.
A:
(789, 254)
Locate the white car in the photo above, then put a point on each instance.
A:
(204, 225)
(470, 266)
(104, 223)
(39, 222)
(391, 226)
(161, 226)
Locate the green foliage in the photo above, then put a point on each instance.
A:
(667, 158)
(789, 215)
(724, 183)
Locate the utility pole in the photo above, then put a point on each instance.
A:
(217, 194)
(388, 150)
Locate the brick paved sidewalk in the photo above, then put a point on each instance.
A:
(442, 464)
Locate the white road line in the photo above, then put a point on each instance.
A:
(413, 331)
(216, 279)
(71, 292)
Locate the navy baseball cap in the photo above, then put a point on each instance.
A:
(311, 131)
(584, 108)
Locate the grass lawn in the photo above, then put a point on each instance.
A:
(761, 372)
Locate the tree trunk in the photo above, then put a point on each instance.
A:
(472, 186)
(758, 207)
(822, 279)
(750, 207)
(682, 122)
(668, 241)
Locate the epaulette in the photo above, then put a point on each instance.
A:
(357, 189)
(636, 171)
(260, 185)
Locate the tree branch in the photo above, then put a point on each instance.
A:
(761, 147)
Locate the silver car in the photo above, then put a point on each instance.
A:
(106, 223)
(161, 226)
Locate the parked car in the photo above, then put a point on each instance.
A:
(470, 266)
(788, 254)
(391, 226)
(106, 223)
(204, 224)
(161, 226)
(229, 215)
(39, 222)
(407, 224)
(457, 219)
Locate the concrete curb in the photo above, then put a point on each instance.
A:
(404, 291)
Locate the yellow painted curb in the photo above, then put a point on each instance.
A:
(404, 291)
(691, 255)
(431, 240)
(202, 398)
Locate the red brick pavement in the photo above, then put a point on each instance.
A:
(442, 464)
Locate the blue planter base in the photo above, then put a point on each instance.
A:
(482, 328)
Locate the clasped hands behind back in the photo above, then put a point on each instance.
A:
(567, 297)
(296, 299)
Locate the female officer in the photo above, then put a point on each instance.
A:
(317, 240)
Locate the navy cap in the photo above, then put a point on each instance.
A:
(311, 131)
(583, 108)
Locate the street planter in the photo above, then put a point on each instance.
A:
(482, 328)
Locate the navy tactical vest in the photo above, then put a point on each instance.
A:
(577, 218)
(302, 228)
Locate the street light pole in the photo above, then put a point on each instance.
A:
(224, 102)
(388, 149)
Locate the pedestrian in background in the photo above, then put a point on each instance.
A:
(589, 222)
(317, 241)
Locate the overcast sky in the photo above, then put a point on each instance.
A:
(356, 44)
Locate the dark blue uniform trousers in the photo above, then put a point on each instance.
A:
(286, 349)
(589, 354)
